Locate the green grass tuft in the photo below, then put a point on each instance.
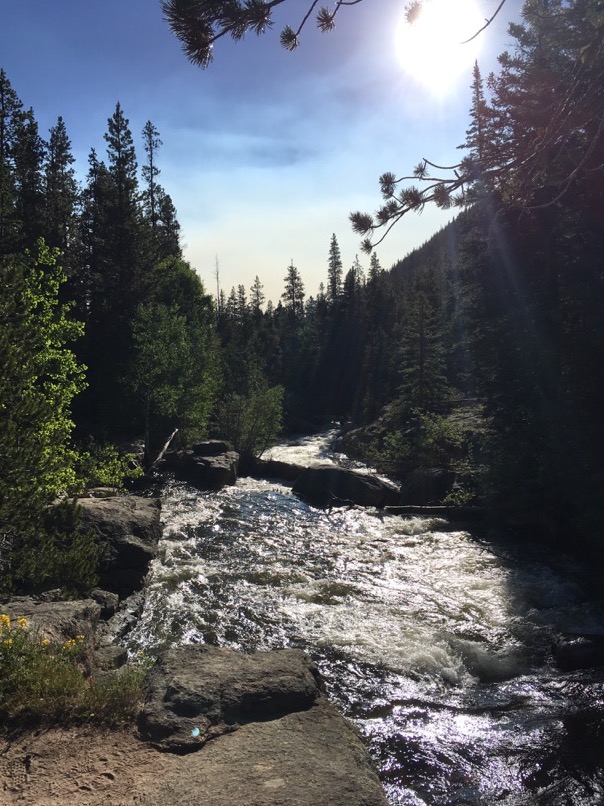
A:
(45, 682)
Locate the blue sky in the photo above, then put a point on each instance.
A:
(265, 153)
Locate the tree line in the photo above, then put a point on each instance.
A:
(106, 332)
(504, 306)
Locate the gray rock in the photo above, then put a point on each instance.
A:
(274, 469)
(307, 758)
(57, 621)
(205, 472)
(198, 692)
(329, 485)
(108, 601)
(211, 447)
(130, 527)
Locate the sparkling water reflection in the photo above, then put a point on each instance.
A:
(435, 640)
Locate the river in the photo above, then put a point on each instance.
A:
(435, 639)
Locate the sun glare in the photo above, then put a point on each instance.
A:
(430, 49)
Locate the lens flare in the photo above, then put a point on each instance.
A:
(433, 49)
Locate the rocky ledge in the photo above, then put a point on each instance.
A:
(226, 728)
(275, 738)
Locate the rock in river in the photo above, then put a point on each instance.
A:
(329, 485)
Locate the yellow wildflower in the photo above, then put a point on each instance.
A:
(4, 622)
(22, 622)
(45, 641)
(79, 638)
(8, 642)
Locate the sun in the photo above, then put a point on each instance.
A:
(430, 48)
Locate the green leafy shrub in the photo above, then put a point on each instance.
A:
(57, 554)
(104, 466)
(44, 682)
(424, 439)
(251, 423)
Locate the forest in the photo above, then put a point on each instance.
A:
(480, 352)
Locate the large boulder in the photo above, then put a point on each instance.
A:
(198, 692)
(204, 472)
(210, 447)
(274, 469)
(130, 527)
(277, 741)
(306, 758)
(329, 485)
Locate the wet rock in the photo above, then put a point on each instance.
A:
(130, 528)
(579, 652)
(199, 692)
(329, 485)
(274, 469)
(204, 472)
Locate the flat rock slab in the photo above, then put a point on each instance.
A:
(57, 621)
(198, 692)
(311, 758)
(308, 758)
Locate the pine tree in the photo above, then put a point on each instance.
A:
(422, 347)
(293, 296)
(117, 259)
(10, 111)
(158, 209)
(375, 269)
(256, 297)
(28, 154)
(61, 192)
(334, 271)
(150, 172)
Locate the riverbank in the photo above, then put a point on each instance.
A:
(295, 760)
(217, 726)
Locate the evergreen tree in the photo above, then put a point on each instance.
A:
(61, 194)
(150, 172)
(256, 296)
(242, 309)
(116, 263)
(422, 348)
(476, 134)
(158, 209)
(293, 296)
(167, 240)
(10, 112)
(334, 271)
(28, 153)
(375, 269)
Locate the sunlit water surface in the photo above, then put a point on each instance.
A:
(436, 640)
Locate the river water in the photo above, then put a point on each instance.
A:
(436, 639)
